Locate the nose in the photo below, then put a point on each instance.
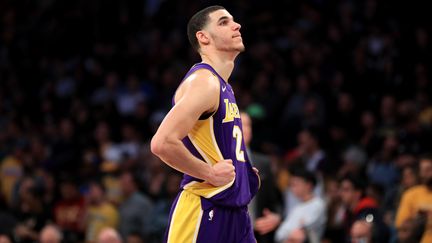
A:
(237, 26)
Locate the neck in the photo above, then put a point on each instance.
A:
(223, 62)
(307, 197)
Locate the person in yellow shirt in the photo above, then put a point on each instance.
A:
(100, 213)
(417, 201)
(11, 170)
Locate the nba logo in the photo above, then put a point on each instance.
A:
(211, 214)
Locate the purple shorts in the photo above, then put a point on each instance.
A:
(195, 219)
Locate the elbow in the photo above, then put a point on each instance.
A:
(157, 146)
(160, 146)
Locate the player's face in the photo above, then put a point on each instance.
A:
(224, 31)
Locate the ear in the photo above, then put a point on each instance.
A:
(202, 37)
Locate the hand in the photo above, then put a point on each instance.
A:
(222, 173)
(268, 222)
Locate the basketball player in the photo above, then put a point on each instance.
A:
(202, 137)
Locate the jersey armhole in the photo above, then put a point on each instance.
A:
(209, 114)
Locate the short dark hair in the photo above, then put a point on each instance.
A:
(306, 175)
(359, 184)
(425, 156)
(198, 22)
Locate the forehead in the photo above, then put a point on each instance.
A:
(218, 14)
(425, 163)
(297, 179)
(347, 184)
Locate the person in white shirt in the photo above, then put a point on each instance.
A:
(309, 214)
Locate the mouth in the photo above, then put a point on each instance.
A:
(236, 35)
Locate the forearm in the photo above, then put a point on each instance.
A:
(174, 153)
(285, 230)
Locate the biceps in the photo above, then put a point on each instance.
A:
(178, 122)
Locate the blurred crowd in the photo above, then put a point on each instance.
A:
(338, 94)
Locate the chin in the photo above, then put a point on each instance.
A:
(241, 48)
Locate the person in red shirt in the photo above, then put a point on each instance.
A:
(69, 211)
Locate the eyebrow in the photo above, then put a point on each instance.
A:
(223, 18)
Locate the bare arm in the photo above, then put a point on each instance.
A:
(198, 94)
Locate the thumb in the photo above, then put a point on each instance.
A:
(229, 161)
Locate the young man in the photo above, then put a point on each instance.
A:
(309, 215)
(416, 203)
(360, 206)
(202, 137)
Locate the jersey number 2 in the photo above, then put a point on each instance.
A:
(237, 134)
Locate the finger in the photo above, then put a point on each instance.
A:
(255, 170)
(266, 211)
(229, 161)
(264, 229)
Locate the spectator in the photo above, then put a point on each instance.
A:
(361, 231)
(29, 211)
(100, 213)
(309, 152)
(109, 235)
(357, 204)
(11, 169)
(309, 214)
(268, 197)
(368, 231)
(69, 211)
(417, 201)
(50, 234)
(5, 239)
(7, 220)
(135, 211)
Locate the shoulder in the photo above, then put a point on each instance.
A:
(143, 199)
(414, 191)
(202, 78)
(318, 203)
(200, 85)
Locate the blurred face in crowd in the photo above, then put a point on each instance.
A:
(367, 119)
(96, 193)
(409, 177)
(348, 193)
(361, 232)
(222, 31)
(4, 239)
(25, 188)
(247, 127)
(66, 128)
(50, 234)
(299, 187)
(68, 190)
(306, 141)
(127, 184)
(426, 172)
(109, 235)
